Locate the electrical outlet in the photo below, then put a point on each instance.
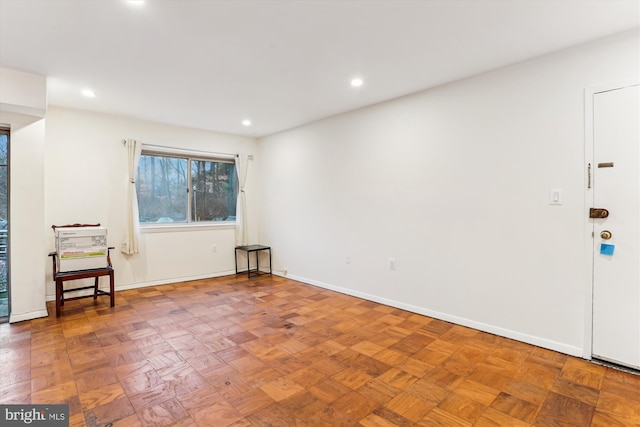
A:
(347, 259)
(392, 263)
(214, 248)
(284, 272)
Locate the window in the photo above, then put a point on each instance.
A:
(183, 189)
(4, 212)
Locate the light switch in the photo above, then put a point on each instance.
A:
(556, 196)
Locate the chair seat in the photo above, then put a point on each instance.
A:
(61, 277)
(84, 274)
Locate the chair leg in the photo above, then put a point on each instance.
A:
(58, 297)
(95, 289)
(112, 293)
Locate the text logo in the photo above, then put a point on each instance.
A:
(34, 415)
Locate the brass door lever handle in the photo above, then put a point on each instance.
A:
(598, 213)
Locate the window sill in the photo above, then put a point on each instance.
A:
(166, 228)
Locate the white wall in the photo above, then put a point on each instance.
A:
(23, 93)
(86, 178)
(22, 108)
(453, 183)
(28, 254)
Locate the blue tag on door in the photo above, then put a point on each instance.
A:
(607, 249)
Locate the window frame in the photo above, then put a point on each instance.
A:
(189, 156)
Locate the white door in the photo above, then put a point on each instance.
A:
(616, 263)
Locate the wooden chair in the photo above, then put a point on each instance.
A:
(61, 277)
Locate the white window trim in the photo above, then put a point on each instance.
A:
(186, 226)
(158, 149)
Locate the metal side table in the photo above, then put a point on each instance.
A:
(255, 249)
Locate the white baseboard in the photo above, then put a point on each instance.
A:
(52, 297)
(13, 318)
(507, 333)
(175, 280)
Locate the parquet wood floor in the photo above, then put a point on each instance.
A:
(274, 352)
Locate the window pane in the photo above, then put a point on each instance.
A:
(162, 189)
(4, 139)
(214, 191)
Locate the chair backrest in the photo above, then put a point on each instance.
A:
(74, 225)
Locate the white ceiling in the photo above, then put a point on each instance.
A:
(211, 64)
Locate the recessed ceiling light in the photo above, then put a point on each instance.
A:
(88, 93)
(356, 82)
(135, 2)
(246, 122)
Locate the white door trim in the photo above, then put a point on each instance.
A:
(589, 93)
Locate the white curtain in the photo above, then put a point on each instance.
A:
(130, 242)
(241, 204)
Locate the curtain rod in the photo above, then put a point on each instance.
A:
(169, 150)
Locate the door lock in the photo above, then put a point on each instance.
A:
(605, 234)
(598, 213)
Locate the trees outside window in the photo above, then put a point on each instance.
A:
(182, 189)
